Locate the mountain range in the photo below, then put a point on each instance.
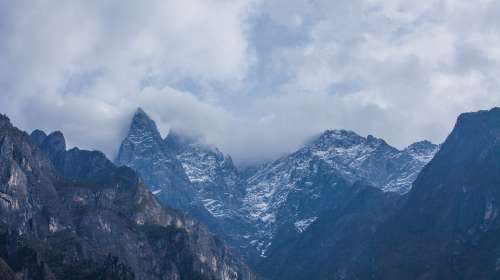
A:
(445, 227)
(248, 208)
(342, 206)
(73, 214)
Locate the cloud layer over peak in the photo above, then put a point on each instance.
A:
(256, 78)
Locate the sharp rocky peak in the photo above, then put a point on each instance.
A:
(346, 138)
(448, 225)
(143, 138)
(144, 151)
(421, 145)
(5, 121)
(38, 136)
(338, 134)
(474, 139)
(185, 172)
(142, 124)
(54, 143)
(483, 125)
(52, 238)
(423, 150)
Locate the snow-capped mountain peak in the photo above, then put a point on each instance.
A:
(248, 210)
(188, 174)
(143, 150)
(143, 126)
(423, 151)
(296, 183)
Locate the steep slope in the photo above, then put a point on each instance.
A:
(338, 244)
(449, 227)
(191, 176)
(87, 219)
(218, 188)
(251, 210)
(446, 227)
(289, 190)
(143, 150)
(216, 179)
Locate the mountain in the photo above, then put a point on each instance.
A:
(341, 207)
(189, 175)
(445, 227)
(261, 206)
(143, 150)
(216, 179)
(75, 215)
(340, 241)
(449, 226)
(292, 190)
(219, 188)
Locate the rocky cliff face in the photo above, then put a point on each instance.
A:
(446, 227)
(73, 214)
(291, 190)
(339, 243)
(449, 226)
(249, 209)
(143, 150)
(215, 178)
(218, 188)
(189, 175)
(341, 207)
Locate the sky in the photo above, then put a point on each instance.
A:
(256, 78)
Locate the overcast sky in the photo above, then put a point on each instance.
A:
(257, 78)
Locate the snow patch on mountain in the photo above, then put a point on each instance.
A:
(155, 192)
(352, 157)
(302, 225)
(214, 207)
(190, 174)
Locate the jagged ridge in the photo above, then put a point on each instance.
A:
(243, 207)
(74, 214)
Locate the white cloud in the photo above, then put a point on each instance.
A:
(81, 66)
(419, 64)
(401, 70)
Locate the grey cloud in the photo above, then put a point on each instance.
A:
(401, 70)
(82, 66)
(406, 59)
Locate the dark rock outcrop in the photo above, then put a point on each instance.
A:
(291, 189)
(38, 136)
(144, 151)
(250, 210)
(449, 227)
(446, 227)
(74, 215)
(338, 243)
(189, 175)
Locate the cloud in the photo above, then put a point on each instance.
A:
(411, 66)
(82, 66)
(257, 78)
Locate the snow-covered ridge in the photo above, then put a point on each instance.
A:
(422, 151)
(287, 192)
(302, 225)
(187, 174)
(345, 153)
